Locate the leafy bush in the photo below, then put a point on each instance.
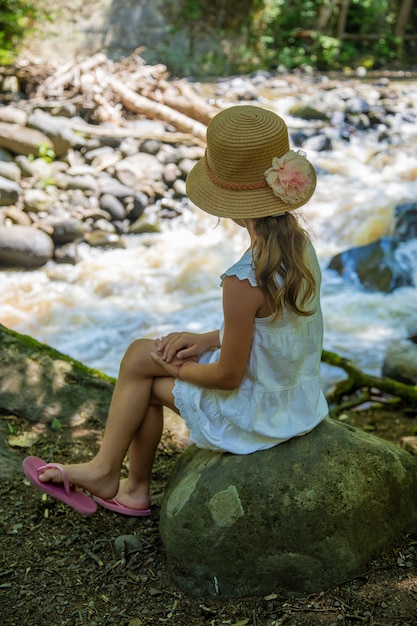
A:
(266, 34)
(17, 19)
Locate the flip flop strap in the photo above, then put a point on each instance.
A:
(61, 470)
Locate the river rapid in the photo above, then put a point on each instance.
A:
(171, 280)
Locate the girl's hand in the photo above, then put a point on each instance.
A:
(183, 346)
(171, 369)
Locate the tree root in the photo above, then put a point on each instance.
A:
(358, 380)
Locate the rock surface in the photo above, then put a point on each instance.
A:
(382, 265)
(400, 362)
(298, 518)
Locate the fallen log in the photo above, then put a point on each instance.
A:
(182, 97)
(357, 380)
(154, 110)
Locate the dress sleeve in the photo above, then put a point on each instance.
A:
(243, 269)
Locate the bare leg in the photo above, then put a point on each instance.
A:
(130, 405)
(134, 491)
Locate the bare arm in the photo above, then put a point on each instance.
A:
(187, 345)
(241, 301)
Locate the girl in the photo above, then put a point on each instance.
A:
(255, 382)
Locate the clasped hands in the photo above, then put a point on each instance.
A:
(178, 348)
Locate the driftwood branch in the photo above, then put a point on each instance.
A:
(358, 380)
(152, 110)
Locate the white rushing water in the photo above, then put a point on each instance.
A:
(170, 281)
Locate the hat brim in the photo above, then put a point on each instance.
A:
(237, 204)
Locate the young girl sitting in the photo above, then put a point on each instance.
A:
(255, 382)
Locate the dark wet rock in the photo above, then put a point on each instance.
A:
(308, 112)
(9, 191)
(319, 143)
(68, 253)
(385, 264)
(113, 206)
(357, 105)
(405, 221)
(374, 266)
(100, 239)
(67, 231)
(144, 225)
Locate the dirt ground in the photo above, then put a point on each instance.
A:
(60, 569)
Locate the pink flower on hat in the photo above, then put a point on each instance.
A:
(290, 176)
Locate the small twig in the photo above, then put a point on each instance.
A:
(93, 556)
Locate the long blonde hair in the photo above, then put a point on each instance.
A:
(280, 250)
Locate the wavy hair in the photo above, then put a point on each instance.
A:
(280, 250)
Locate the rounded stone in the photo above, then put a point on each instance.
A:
(298, 518)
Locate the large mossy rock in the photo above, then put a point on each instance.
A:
(41, 385)
(298, 518)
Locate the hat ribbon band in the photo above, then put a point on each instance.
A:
(229, 185)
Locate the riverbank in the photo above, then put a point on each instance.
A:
(108, 570)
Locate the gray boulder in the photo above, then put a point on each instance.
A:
(400, 362)
(24, 247)
(22, 140)
(298, 518)
(134, 170)
(9, 191)
(57, 128)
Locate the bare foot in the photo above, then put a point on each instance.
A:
(134, 497)
(89, 476)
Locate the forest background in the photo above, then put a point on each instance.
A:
(221, 37)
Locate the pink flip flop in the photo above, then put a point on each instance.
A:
(33, 466)
(113, 505)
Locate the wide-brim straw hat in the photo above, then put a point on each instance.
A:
(244, 144)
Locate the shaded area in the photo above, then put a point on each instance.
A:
(60, 568)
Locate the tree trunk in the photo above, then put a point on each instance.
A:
(341, 23)
(402, 19)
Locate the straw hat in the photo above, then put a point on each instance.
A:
(248, 170)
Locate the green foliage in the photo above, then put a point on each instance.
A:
(17, 19)
(46, 153)
(251, 34)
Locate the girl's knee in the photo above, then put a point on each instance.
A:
(138, 353)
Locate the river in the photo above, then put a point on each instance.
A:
(170, 280)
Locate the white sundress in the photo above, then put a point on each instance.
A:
(280, 396)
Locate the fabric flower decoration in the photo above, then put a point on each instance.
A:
(290, 176)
